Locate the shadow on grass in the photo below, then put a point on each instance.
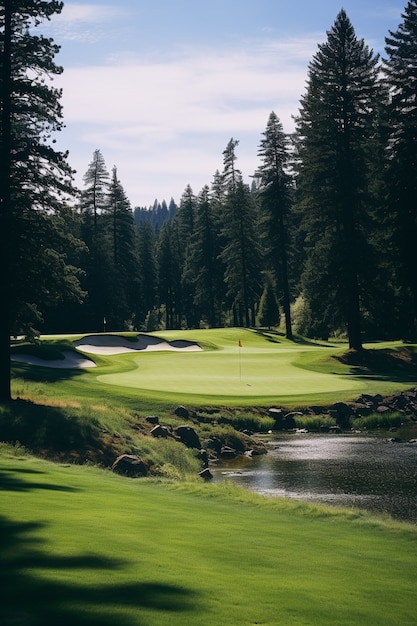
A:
(55, 432)
(385, 364)
(33, 595)
(9, 481)
(274, 336)
(44, 374)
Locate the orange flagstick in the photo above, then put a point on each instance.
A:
(240, 363)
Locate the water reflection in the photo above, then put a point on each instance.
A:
(350, 470)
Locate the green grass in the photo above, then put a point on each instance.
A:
(83, 546)
(378, 420)
(267, 370)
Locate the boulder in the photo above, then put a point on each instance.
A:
(335, 429)
(204, 457)
(152, 419)
(341, 412)
(181, 411)
(206, 474)
(227, 452)
(214, 443)
(382, 408)
(188, 436)
(130, 465)
(342, 408)
(160, 431)
(274, 412)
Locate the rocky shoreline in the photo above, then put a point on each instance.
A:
(213, 449)
(404, 403)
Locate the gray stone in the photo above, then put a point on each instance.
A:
(130, 465)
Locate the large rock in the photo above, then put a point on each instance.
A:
(228, 453)
(206, 474)
(188, 436)
(181, 411)
(160, 431)
(130, 465)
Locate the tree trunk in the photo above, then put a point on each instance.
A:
(6, 232)
(285, 284)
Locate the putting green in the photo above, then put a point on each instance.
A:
(230, 372)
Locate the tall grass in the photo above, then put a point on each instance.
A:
(168, 458)
(314, 423)
(378, 421)
(240, 420)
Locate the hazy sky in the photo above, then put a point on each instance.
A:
(160, 86)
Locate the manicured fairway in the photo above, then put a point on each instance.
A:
(233, 373)
(82, 546)
(265, 369)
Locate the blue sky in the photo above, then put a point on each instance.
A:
(160, 86)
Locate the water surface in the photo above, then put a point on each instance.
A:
(353, 470)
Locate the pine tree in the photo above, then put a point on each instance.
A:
(400, 69)
(167, 274)
(182, 233)
(95, 196)
(268, 314)
(241, 255)
(231, 174)
(148, 272)
(34, 178)
(335, 126)
(126, 289)
(240, 250)
(203, 269)
(275, 206)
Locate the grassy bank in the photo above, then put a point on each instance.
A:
(84, 546)
(94, 414)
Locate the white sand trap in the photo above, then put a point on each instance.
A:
(71, 360)
(115, 344)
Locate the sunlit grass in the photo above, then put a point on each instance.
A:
(84, 546)
(266, 370)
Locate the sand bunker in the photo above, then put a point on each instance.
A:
(105, 344)
(71, 360)
(115, 344)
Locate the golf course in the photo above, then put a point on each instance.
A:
(237, 367)
(81, 544)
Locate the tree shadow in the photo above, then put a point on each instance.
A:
(44, 374)
(270, 335)
(10, 481)
(54, 432)
(32, 596)
(398, 365)
(274, 336)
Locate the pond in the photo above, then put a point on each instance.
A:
(355, 470)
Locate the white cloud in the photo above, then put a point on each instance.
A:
(165, 122)
(92, 13)
(88, 23)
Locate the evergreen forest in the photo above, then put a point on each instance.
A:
(322, 242)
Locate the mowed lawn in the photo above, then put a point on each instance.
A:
(266, 368)
(84, 546)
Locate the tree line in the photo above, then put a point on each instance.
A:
(323, 238)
